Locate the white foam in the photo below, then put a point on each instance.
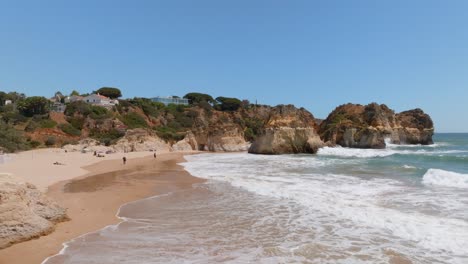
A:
(409, 167)
(445, 178)
(376, 153)
(114, 227)
(336, 198)
(389, 144)
(356, 153)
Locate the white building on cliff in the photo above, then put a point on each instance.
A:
(100, 100)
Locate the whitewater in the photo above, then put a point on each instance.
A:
(402, 204)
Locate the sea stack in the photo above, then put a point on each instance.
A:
(369, 126)
(287, 130)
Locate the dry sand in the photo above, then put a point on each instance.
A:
(37, 166)
(94, 199)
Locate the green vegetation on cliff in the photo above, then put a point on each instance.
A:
(35, 121)
(11, 139)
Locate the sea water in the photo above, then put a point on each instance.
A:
(402, 204)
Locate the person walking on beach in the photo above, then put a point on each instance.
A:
(124, 159)
(154, 155)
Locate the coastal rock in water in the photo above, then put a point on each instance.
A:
(25, 212)
(287, 130)
(141, 140)
(358, 126)
(417, 127)
(286, 140)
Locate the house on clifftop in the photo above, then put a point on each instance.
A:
(100, 100)
(170, 100)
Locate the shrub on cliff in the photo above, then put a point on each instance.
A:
(35, 105)
(169, 134)
(92, 111)
(99, 113)
(39, 121)
(148, 107)
(11, 139)
(196, 98)
(108, 137)
(78, 107)
(70, 129)
(253, 127)
(13, 117)
(174, 109)
(228, 104)
(76, 121)
(133, 120)
(47, 123)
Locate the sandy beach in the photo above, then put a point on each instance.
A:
(37, 166)
(92, 192)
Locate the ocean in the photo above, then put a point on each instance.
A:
(402, 204)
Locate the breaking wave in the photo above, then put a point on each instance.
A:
(445, 178)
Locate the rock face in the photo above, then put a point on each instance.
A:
(25, 213)
(358, 126)
(417, 127)
(189, 143)
(87, 144)
(287, 130)
(141, 140)
(219, 132)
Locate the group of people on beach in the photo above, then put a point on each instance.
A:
(124, 159)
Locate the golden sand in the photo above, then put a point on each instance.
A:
(94, 199)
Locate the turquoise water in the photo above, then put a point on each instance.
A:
(402, 204)
(408, 162)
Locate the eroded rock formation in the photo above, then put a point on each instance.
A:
(141, 140)
(287, 130)
(358, 126)
(25, 212)
(219, 131)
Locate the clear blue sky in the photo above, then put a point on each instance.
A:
(314, 54)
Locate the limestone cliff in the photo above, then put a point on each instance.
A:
(287, 130)
(358, 126)
(140, 140)
(219, 131)
(25, 212)
(189, 143)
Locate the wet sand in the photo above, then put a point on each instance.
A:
(94, 199)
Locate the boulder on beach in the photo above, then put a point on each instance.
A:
(25, 212)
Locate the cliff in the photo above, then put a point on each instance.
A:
(207, 124)
(25, 212)
(287, 130)
(358, 126)
(219, 131)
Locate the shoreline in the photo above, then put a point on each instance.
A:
(93, 200)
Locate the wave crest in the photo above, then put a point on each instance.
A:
(355, 152)
(445, 178)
